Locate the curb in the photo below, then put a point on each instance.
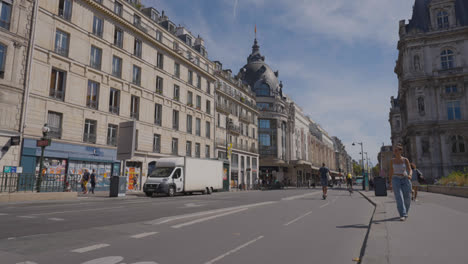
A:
(43, 196)
(364, 243)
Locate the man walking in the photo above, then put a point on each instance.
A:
(324, 173)
(84, 181)
(93, 181)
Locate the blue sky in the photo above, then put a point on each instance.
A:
(335, 57)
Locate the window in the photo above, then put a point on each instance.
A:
(136, 20)
(263, 90)
(449, 89)
(89, 134)
(5, 14)
(199, 81)
(114, 101)
(95, 58)
(198, 102)
(92, 98)
(117, 66)
(197, 61)
(112, 135)
(188, 41)
(3, 50)
(98, 25)
(443, 20)
(446, 58)
(175, 45)
(208, 87)
(188, 149)
(208, 106)
(253, 132)
(159, 85)
(177, 70)
(61, 42)
(137, 47)
(208, 129)
(136, 75)
(157, 143)
(189, 124)
(219, 121)
(453, 110)
(118, 37)
(160, 61)
(98, 1)
(175, 146)
(264, 140)
(158, 114)
(458, 144)
(175, 119)
(189, 98)
(176, 92)
(54, 121)
(159, 36)
(425, 147)
(197, 150)
(57, 84)
(263, 123)
(198, 127)
(421, 106)
(65, 9)
(134, 107)
(136, 139)
(207, 151)
(190, 77)
(118, 8)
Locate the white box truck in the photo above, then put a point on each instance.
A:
(184, 175)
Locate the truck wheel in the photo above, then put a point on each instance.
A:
(171, 192)
(209, 190)
(149, 194)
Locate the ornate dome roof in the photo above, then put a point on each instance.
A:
(256, 73)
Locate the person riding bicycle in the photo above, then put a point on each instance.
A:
(349, 181)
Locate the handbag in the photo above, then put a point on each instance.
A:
(328, 176)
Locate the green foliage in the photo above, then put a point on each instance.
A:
(458, 178)
(357, 169)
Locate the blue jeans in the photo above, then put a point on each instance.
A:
(402, 191)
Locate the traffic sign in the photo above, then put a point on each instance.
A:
(43, 143)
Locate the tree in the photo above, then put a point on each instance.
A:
(376, 170)
(357, 169)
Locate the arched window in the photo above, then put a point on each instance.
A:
(447, 59)
(263, 90)
(421, 106)
(458, 144)
(443, 19)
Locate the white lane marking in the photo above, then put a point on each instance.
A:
(322, 206)
(3, 214)
(208, 218)
(233, 250)
(105, 260)
(55, 219)
(192, 205)
(298, 218)
(27, 216)
(26, 262)
(144, 235)
(295, 197)
(184, 216)
(84, 210)
(90, 248)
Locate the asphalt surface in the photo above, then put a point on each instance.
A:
(284, 226)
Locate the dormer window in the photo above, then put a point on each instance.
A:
(188, 41)
(159, 36)
(443, 19)
(154, 15)
(136, 20)
(447, 59)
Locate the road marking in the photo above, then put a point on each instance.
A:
(295, 197)
(26, 262)
(296, 219)
(105, 260)
(90, 248)
(184, 216)
(3, 214)
(142, 235)
(75, 211)
(27, 216)
(56, 219)
(233, 250)
(322, 206)
(208, 218)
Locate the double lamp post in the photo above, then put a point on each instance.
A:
(365, 182)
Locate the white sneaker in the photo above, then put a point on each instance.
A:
(402, 218)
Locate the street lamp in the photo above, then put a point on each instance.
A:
(42, 143)
(365, 180)
(228, 125)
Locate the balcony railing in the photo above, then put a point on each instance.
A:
(55, 132)
(114, 109)
(222, 108)
(57, 94)
(112, 141)
(92, 104)
(65, 13)
(90, 138)
(5, 24)
(134, 115)
(62, 51)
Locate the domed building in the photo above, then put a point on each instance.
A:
(276, 115)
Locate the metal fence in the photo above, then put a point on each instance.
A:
(15, 182)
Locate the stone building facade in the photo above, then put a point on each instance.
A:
(432, 102)
(236, 128)
(15, 33)
(99, 63)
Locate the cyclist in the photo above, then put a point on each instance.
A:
(349, 182)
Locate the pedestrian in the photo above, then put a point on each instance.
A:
(324, 175)
(401, 173)
(84, 181)
(135, 182)
(417, 176)
(93, 181)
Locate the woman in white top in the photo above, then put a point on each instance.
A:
(401, 173)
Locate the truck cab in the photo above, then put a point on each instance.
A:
(168, 180)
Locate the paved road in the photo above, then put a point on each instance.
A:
(287, 226)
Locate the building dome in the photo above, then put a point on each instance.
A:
(256, 73)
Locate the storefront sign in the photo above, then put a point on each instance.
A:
(43, 143)
(12, 169)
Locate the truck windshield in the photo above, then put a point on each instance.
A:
(161, 172)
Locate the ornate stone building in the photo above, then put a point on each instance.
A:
(430, 114)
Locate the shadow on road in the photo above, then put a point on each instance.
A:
(393, 219)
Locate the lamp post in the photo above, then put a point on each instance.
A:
(44, 142)
(228, 125)
(365, 180)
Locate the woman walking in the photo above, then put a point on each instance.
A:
(417, 175)
(401, 173)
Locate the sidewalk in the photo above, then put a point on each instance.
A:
(436, 231)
